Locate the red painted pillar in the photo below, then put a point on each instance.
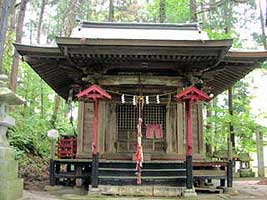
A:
(95, 142)
(189, 144)
(189, 133)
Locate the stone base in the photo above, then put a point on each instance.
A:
(231, 191)
(94, 191)
(11, 189)
(157, 191)
(189, 193)
(244, 173)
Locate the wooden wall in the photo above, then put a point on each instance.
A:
(175, 129)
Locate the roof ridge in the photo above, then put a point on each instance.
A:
(135, 25)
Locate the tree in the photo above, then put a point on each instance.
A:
(39, 32)
(162, 12)
(19, 35)
(262, 25)
(5, 8)
(111, 11)
(40, 22)
(193, 10)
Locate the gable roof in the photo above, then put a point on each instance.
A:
(194, 94)
(74, 60)
(94, 90)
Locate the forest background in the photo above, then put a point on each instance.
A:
(39, 22)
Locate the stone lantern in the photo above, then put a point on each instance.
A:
(11, 187)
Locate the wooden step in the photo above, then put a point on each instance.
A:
(143, 177)
(146, 165)
(143, 170)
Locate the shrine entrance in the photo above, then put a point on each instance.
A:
(153, 128)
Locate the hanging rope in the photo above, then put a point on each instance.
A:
(132, 95)
(139, 148)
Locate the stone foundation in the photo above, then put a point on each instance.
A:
(129, 190)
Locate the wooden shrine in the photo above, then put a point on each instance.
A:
(152, 61)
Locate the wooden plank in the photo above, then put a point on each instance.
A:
(101, 127)
(80, 128)
(88, 128)
(169, 128)
(180, 130)
(200, 129)
(135, 80)
(209, 163)
(202, 173)
(195, 129)
(111, 128)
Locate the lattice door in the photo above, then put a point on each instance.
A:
(127, 117)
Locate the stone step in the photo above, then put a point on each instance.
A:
(121, 181)
(155, 191)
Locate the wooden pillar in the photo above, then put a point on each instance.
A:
(260, 155)
(95, 161)
(231, 141)
(230, 165)
(230, 107)
(52, 180)
(95, 165)
(189, 142)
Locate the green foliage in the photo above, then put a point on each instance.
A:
(177, 11)
(30, 135)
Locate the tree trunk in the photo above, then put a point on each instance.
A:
(40, 22)
(162, 11)
(19, 34)
(5, 8)
(193, 10)
(56, 109)
(111, 11)
(39, 32)
(262, 26)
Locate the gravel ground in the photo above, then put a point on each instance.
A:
(247, 189)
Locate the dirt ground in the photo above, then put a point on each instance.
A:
(247, 189)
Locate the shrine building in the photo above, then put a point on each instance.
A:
(131, 71)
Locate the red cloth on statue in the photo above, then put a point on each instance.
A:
(154, 130)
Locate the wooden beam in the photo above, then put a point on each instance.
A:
(113, 80)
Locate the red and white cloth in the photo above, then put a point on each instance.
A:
(154, 131)
(139, 151)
